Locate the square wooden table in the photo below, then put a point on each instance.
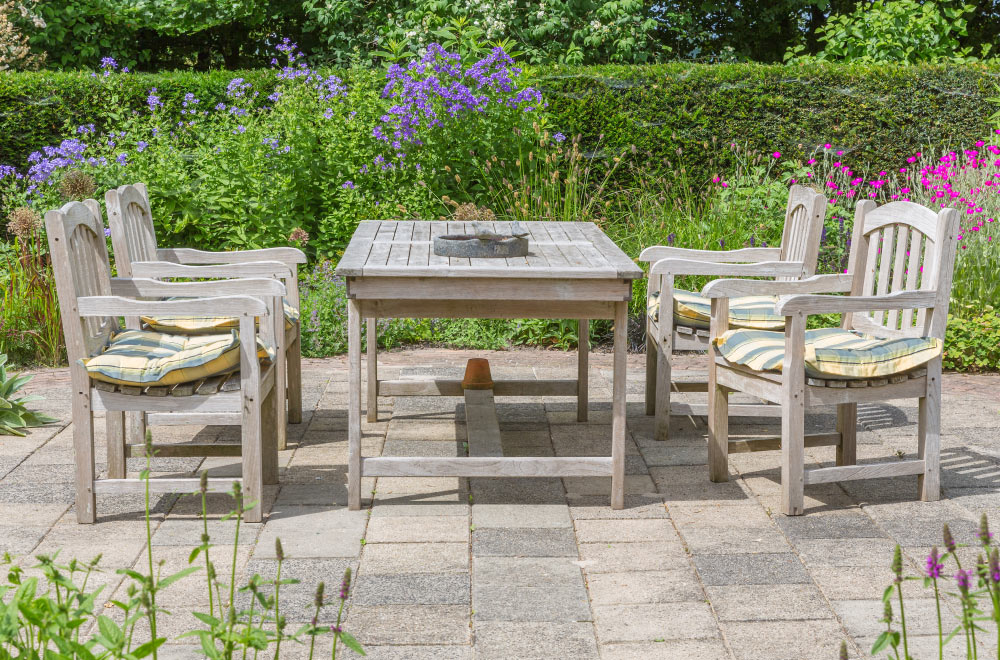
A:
(573, 271)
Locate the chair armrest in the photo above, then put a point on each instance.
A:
(253, 269)
(817, 304)
(759, 269)
(215, 306)
(137, 287)
(837, 283)
(656, 252)
(287, 255)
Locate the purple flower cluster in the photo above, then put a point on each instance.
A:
(50, 159)
(153, 101)
(934, 565)
(84, 129)
(237, 88)
(437, 82)
(189, 100)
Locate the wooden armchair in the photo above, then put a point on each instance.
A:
(137, 255)
(684, 327)
(235, 386)
(897, 308)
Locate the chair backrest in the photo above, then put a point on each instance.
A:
(131, 221)
(903, 246)
(803, 230)
(81, 267)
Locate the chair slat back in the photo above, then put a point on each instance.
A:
(905, 247)
(81, 267)
(804, 216)
(132, 235)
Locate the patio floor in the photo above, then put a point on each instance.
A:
(541, 568)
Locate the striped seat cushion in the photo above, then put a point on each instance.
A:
(693, 311)
(147, 358)
(191, 325)
(830, 352)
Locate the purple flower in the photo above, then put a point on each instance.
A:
(558, 137)
(153, 101)
(189, 98)
(107, 232)
(220, 106)
(108, 64)
(964, 579)
(274, 97)
(122, 159)
(237, 88)
(140, 146)
(328, 113)
(347, 184)
(240, 129)
(934, 566)
(84, 129)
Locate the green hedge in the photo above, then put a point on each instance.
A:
(879, 114)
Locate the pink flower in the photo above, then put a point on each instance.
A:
(776, 155)
(840, 153)
(725, 185)
(812, 161)
(827, 145)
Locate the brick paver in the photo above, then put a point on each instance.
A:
(522, 568)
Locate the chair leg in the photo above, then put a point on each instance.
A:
(270, 437)
(929, 435)
(115, 423)
(293, 358)
(135, 428)
(83, 450)
(847, 427)
(583, 370)
(718, 434)
(253, 455)
(372, 364)
(279, 426)
(650, 374)
(793, 457)
(661, 426)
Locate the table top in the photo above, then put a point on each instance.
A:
(569, 250)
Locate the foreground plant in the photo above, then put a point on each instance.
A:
(14, 415)
(973, 592)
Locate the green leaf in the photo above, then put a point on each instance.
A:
(881, 643)
(351, 643)
(150, 646)
(169, 580)
(110, 630)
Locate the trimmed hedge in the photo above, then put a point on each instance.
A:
(880, 114)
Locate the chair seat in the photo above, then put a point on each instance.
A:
(693, 311)
(193, 325)
(147, 358)
(830, 352)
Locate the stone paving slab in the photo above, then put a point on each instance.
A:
(456, 569)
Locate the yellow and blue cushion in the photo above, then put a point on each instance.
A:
(830, 352)
(693, 311)
(146, 358)
(191, 325)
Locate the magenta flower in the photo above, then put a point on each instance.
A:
(776, 155)
(934, 566)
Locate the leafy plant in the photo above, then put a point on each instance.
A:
(14, 415)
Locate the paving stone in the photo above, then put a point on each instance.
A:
(669, 586)
(764, 568)
(690, 484)
(591, 507)
(781, 640)
(859, 583)
(418, 529)
(648, 623)
(667, 454)
(682, 649)
(921, 523)
(763, 602)
(534, 640)
(412, 589)
(187, 532)
(521, 515)
(613, 531)
(394, 558)
(834, 525)
(622, 557)
(20, 539)
(395, 447)
(518, 491)
(410, 624)
(926, 646)
(714, 540)
(833, 552)
(419, 507)
(518, 542)
(863, 618)
(412, 653)
(310, 532)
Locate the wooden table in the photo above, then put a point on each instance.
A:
(573, 271)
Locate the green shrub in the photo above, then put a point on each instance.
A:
(973, 343)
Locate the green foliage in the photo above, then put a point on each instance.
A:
(14, 415)
(972, 341)
(30, 321)
(894, 32)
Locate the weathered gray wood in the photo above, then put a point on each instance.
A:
(744, 445)
(582, 369)
(371, 362)
(514, 466)
(223, 305)
(655, 253)
(847, 429)
(762, 269)
(384, 308)
(162, 485)
(195, 419)
(823, 304)
(618, 419)
(838, 283)
(353, 406)
(929, 434)
(185, 449)
(870, 471)
(157, 269)
(718, 400)
(482, 426)
(115, 425)
(449, 387)
(415, 287)
(793, 418)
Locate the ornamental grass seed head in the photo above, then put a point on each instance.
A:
(23, 222)
(77, 185)
(984, 533)
(897, 564)
(949, 540)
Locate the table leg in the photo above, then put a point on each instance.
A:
(372, 327)
(353, 406)
(582, 369)
(618, 408)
